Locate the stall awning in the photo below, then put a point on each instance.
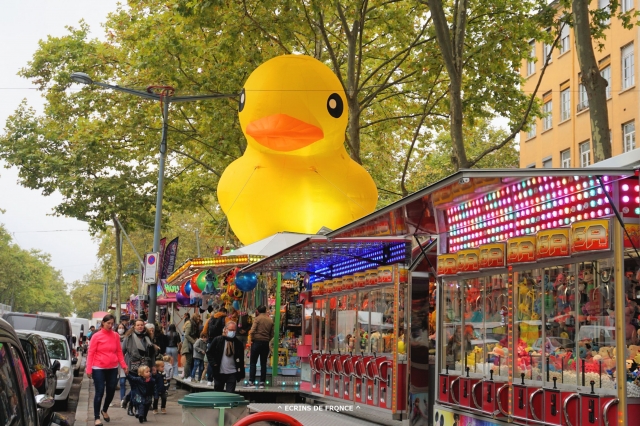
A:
(325, 257)
(218, 264)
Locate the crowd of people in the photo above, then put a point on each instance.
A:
(143, 355)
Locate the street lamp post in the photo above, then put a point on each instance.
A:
(165, 97)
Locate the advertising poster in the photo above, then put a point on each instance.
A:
(419, 415)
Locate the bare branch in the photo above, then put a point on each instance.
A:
(195, 160)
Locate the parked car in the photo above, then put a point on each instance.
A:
(80, 328)
(49, 324)
(59, 350)
(41, 369)
(18, 403)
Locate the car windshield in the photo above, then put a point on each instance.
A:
(50, 325)
(57, 348)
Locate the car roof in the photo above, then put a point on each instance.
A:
(51, 335)
(7, 332)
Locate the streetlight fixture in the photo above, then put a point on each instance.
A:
(164, 95)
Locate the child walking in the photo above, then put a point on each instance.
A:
(162, 386)
(199, 350)
(142, 391)
(168, 366)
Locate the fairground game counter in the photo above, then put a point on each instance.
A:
(537, 274)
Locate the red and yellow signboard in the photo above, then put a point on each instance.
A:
(468, 260)
(521, 250)
(552, 243)
(493, 256)
(590, 235)
(447, 264)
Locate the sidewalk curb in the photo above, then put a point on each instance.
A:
(82, 411)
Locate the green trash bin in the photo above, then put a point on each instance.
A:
(213, 408)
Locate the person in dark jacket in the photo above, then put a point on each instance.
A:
(216, 324)
(162, 386)
(139, 351)
(143, 388)
(173, 339)
(226, 356)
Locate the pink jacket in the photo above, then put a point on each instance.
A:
(105, 351)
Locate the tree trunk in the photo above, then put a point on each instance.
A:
(452, 55)
(594, 83)
(118, 268)
(353, 129)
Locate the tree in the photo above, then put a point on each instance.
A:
(87, 296)
(28, 282)
(482, 45)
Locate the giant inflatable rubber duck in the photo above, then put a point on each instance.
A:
(295, 174)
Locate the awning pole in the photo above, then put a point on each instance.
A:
(276, 333)
(621, 344)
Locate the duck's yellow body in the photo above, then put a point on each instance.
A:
(295, 174)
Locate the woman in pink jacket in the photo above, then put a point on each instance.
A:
(105, 354)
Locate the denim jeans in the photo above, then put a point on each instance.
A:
(259, 349)
(103, 378)
(123, 387)
(198, 365)
(173, 351)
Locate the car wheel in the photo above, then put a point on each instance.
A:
(64, 404)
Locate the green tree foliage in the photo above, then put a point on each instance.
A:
(482, 45)
(28, 282)
(87, 296)
(99, 148)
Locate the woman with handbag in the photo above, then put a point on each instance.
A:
(139, 350)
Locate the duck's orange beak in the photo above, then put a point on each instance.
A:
(282, 132)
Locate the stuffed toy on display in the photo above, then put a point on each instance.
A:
(295, 174)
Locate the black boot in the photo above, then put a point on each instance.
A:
(130, 409)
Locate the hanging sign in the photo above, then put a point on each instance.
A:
(552, 243)
(492, 256)
(151, 268)
(447, 264)
(590, 235)
(468, 260)
(521, 249)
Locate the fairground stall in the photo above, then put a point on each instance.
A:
(537, 282)
(356, 319)
(536, 297)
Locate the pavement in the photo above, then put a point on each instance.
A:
(84, 413)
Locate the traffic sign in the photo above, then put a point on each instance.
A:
(151, 268)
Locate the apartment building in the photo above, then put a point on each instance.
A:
(562, 138)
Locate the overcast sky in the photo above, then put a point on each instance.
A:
(22, 24)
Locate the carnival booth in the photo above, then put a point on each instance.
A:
(355, 319)
(536, 292)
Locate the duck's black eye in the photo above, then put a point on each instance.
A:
(335, 106)
(243, 98)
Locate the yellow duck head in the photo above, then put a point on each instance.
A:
(293, 104)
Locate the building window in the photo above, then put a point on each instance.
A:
(606, 74)
(547, 122)
(547, 163)
(583, 99)
(629, 136)
(627, 5)
(532, 131)
(531, 166)
(565, 104)
(546, 53)
(604, 5)
(564, 39)
(565, 159)
(585, 154)
(627, 66)
(531, 65)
